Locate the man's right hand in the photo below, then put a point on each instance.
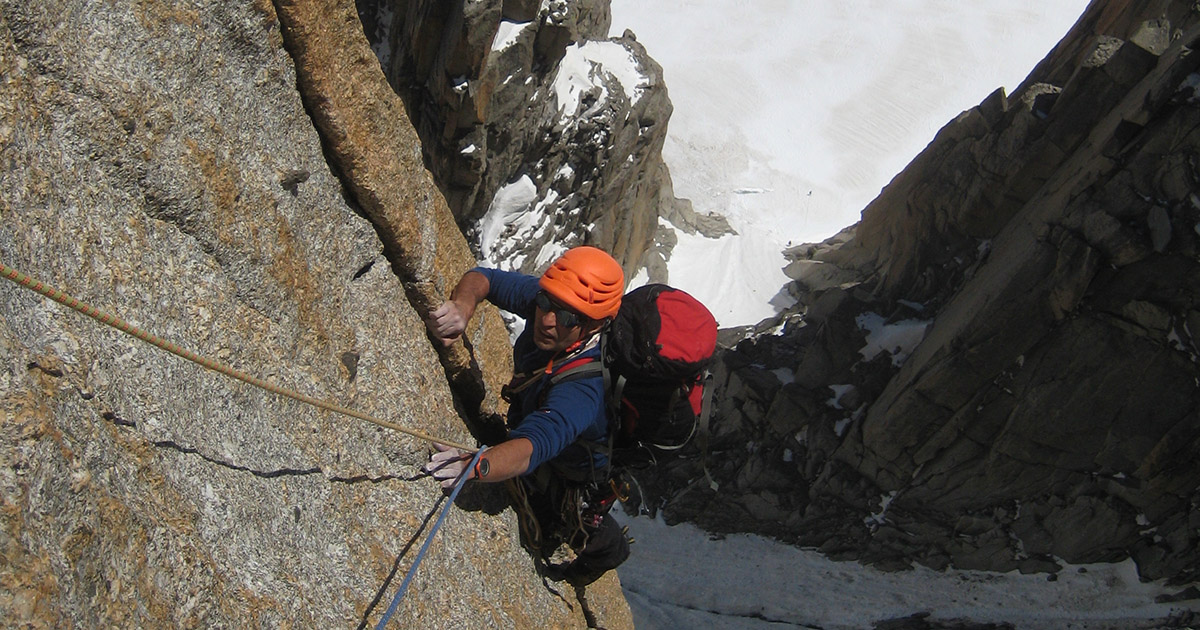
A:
(447, 323)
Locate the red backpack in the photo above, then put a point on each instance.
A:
(655, 359)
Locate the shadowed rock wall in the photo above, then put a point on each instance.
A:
(1045, 249)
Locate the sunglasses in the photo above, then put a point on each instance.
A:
(563, 316)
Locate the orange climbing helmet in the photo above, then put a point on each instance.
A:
(587, 280)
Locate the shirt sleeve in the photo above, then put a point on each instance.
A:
(509, 290)
(571, 408)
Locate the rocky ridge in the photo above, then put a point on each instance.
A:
(1042, 256)
(202, 170)
(542, 132)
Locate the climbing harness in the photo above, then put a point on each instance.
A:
(115, 322)
(462, 480)
(527, 520)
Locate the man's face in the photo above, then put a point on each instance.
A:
(549, 332)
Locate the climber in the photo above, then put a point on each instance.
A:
(555, 472)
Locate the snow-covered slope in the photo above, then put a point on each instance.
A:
(751, 583)
(791, 115)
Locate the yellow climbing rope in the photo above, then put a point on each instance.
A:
(109, 320)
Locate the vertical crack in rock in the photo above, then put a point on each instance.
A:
(372, 146)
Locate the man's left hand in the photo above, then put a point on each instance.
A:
(447, 465)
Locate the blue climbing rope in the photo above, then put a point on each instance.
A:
(462, 480)
(120, 324)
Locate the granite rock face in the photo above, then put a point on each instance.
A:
(542, 132)
(161, 163)
(371, 142)
(999, 367)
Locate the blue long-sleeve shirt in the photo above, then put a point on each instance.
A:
(571, 410)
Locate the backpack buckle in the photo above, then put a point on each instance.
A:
(620, 490)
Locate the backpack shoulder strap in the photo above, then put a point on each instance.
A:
(614, 384)
(586, 367)
(577, 370)
(702, 432)
(580, 368)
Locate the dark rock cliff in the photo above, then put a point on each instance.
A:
(532, 97)
(1043, 253)
(239, 178)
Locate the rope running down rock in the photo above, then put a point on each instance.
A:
(115, 322)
